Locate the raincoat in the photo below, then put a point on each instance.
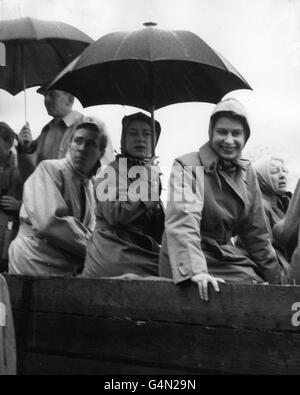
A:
(52, 143)
(56, 219)
(215, 208)
(128, 233)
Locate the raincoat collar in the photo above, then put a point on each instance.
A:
(83, 178)
(69, 119)
(211, 159)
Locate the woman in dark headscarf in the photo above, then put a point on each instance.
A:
(221, 200)
(272, 178)
(129, 214)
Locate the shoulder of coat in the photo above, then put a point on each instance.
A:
(190, 159)
(52, 166)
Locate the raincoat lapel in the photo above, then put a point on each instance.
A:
(239, 185)
(210, 161)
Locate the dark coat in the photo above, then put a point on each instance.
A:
(286, 232)
(127, 234)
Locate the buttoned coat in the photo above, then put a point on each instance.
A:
(216, 207)
(128, 233)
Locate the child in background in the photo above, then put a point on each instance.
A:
(10, 193)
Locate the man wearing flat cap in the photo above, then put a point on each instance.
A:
(57, 214)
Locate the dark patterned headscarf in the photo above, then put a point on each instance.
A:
(133, 117)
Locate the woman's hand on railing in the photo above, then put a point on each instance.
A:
(203, 280)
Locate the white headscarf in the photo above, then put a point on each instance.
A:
(262, 167)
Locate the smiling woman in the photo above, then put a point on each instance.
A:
(198, 238)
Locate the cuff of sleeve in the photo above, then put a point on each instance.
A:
(29, 150)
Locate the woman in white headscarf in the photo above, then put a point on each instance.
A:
(272, 178)
(220, 200)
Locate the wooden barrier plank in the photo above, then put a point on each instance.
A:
(238, 306)
(219, 350)
(46, 364)
(16, 284)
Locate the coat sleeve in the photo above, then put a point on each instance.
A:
(286, 231)
(49, 213)
(26, 165)
(27, 158)
(114, 200)
(183, 220)
(256, 237)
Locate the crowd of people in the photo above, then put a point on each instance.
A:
(70, 207)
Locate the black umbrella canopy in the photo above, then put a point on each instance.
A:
(36, 51)
(149, 68)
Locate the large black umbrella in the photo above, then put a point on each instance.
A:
(149, 68)
(36, 51)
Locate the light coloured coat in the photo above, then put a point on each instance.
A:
(216, 208)
(55, 223)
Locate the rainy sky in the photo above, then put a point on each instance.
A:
(261, 38)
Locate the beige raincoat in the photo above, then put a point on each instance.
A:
(56, 219)
(216, 207)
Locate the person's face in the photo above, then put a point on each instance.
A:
(138, 139)
(58, 103)
(4, 150)
(228, 137)
(278, 174)
(85, 150)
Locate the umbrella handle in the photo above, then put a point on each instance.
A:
(25, 102)
(24, 83)
(153, 132)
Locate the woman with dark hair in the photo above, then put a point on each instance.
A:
(221, 199)
(129, 214)
(11, 187)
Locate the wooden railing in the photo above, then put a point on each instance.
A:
(114, 326)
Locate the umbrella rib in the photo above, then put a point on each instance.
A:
(33, 27)
(121, 44)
